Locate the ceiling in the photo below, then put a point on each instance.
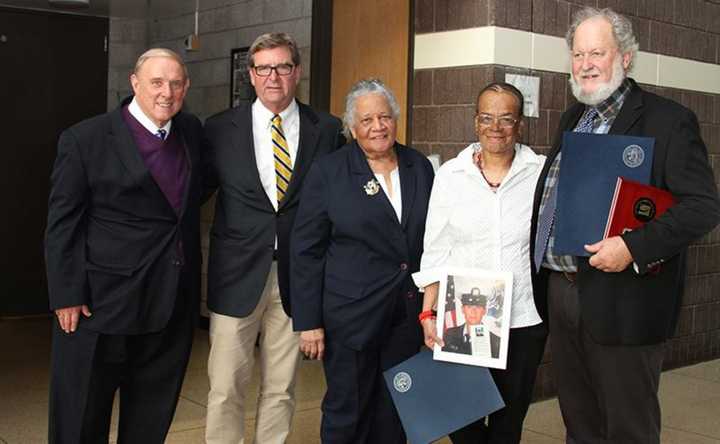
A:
(113, 8)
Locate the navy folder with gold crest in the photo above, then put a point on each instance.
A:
(434, 398)
(589, 168)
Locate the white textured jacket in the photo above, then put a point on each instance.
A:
(469, 225)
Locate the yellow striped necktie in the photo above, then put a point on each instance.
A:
(281, 153)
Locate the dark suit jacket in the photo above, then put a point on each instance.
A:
(629, 308)
(351, 257)
(455, 342)
(112, 237)
(242, 238)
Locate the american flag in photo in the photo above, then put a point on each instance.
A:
(450, 314)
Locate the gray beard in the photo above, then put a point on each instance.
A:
(604, 91)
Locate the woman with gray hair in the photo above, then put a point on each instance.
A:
(357, 239)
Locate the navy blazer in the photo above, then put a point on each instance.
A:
(628, 308)
(351, 259)
(112, 238)
(242, 238)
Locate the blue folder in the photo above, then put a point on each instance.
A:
(434, 398)
(589, 168)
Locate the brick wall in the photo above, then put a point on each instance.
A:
(444, 101)
(224, 25)
(127, 40)
(681, 28)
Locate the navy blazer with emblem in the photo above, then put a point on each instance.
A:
(245, 226)
(351, 258)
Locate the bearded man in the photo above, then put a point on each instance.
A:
(611, 313)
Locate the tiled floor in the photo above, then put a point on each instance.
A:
(690, 397)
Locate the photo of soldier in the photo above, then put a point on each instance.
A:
(471, 329)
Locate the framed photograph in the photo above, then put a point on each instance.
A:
(474, 316)
(241, 89)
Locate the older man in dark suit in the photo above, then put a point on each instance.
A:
(610, 314)
(259, 154)
(123, 260)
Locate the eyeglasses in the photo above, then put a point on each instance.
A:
(283, 69)
(503, 121)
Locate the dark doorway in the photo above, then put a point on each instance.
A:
(53, 73)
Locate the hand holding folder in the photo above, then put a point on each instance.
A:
(633, 205)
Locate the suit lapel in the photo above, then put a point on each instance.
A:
(407, 183)
(307, 146)
(244, 146)
(190, 164)
(124, 144)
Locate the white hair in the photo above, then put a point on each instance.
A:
(621, 29)
(363, 88)
(160, 52)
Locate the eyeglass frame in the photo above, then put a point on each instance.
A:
(498, 119)
(272, 68)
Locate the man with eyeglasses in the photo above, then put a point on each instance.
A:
(258, 153)
(612, 312)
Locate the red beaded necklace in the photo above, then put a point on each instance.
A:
(494, 185)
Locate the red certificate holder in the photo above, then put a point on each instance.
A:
(633, 205)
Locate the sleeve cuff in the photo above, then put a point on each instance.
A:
(423, 278)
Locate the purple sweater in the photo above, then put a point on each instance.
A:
(165, 159)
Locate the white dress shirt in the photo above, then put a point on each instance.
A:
(262, 121)
(396, 198)
(135, 111)
(469, 225)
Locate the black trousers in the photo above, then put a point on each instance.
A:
(607, 393)
(515, 384)
(357, 407)
(89, 367)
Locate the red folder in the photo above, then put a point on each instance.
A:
(633, 205)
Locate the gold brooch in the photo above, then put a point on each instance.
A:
(372, 187)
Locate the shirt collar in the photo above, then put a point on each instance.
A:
(523, 156)
(145, 121)
(610, 107)
(265, 115)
